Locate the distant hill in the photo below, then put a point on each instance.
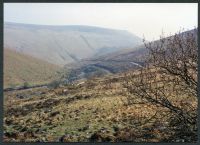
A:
(111, 63)
(20, 68)
(65, 44)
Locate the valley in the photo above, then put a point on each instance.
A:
(91, 84)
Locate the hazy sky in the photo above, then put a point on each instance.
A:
(139, 18)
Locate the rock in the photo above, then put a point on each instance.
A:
(84, 128)
(116, 128)
(65, 91)
(100, 137)
(8, 121)
(46, 110)
(11, 134)
(28, 134)
(43, 139)
(77, 111)
(86, 97)
(103, 129)
(65, 138)
(96, 137)
(20, 96)
(54, 113)
(38, 93)
(5, 139)
(76, 118)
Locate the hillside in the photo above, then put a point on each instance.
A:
(20, 68)
(96, 110)
(64, 44)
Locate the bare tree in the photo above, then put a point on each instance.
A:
(170, 73)
(177, 56)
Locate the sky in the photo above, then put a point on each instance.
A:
(147, 20)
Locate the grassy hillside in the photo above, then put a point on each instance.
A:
(20, 68)
(94, 110)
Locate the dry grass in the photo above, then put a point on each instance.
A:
(20, 68)
(94, 111)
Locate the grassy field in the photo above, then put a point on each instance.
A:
(20, 68)
(95, 110)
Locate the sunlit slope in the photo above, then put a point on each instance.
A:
(20, 68)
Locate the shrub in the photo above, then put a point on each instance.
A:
(26, 85)
(54, 84)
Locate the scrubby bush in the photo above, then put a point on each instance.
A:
(26, 85)
(54, 84)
